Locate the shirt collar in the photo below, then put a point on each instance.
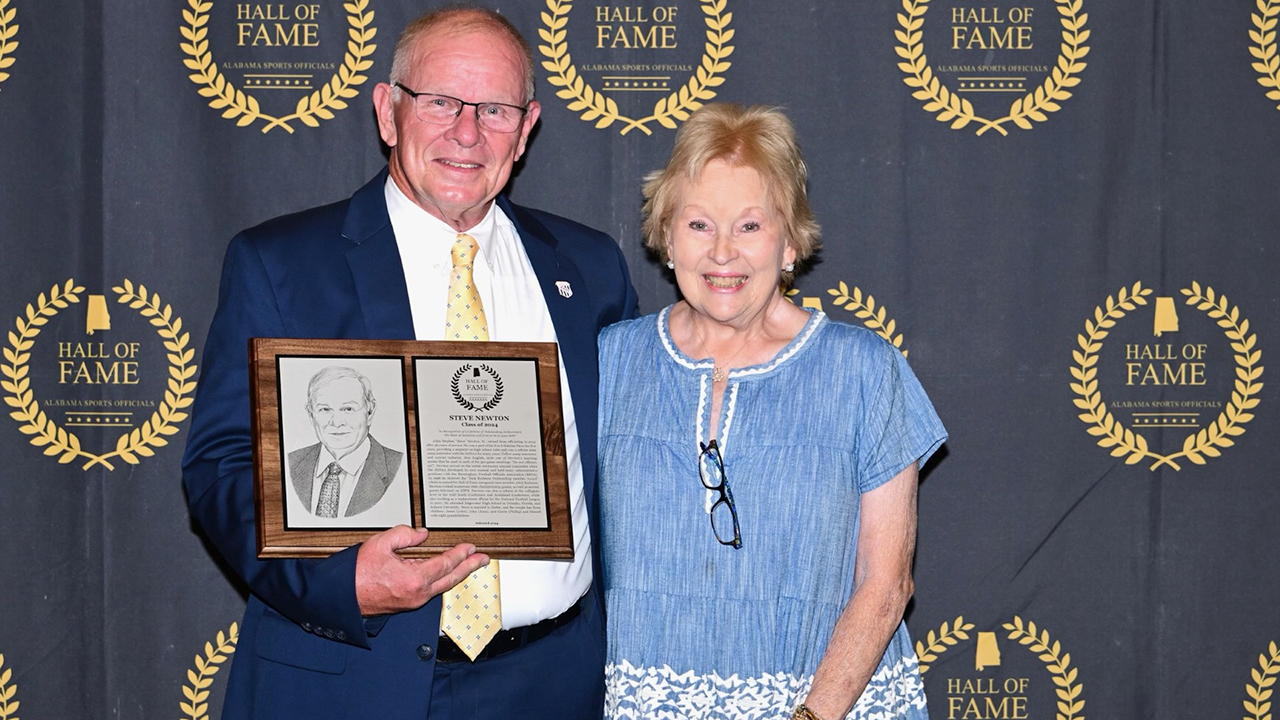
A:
(422, 224)
(350, 463)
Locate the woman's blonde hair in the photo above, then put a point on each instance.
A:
(758, 137)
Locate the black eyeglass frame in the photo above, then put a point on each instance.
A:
(726, 495)
(462, 105)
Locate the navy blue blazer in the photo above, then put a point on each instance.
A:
(335, 272)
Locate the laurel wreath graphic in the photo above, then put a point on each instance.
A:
(235, 103)
(1263, 34)
(864, 308)
(8, 691)
(200, 677)
(1264, 676)
(1122, 441)
(595, 106)
(952, 108)
(1056, 662)
(492, 402)
(43, 430)
(7, 44)
(1050, 653)
(58, 441)
(1109, 431)
(937, 643)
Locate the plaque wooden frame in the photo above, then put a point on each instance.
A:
(276, 539)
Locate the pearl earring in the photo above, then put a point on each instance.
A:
(789, 267)
(671, 264)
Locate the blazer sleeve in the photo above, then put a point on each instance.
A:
(630, 301)
(317, 594)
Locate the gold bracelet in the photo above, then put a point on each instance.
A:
(802, 712)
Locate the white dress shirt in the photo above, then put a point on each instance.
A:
(516, 311)
(351, 463)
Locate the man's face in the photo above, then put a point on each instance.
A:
(455, 171)
(340, 416)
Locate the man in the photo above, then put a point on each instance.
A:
(348, 471)
(357, 635)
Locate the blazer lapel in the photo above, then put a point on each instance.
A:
(575, 331)
(377, 474)
(304, 472)
(571, 315)
(374, 259)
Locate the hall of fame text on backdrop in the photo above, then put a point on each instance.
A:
(973, 33)
(1167, 383)
(8, 31)
(278, 52)
(1012, 692)
(125, 362)
(636, 52)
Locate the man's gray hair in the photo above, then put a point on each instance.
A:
(460, 18)
(338, 372)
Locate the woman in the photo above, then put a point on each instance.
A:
(757, 461)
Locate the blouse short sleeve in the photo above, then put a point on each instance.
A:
(606, 347)
(616, 346)
(899, 425)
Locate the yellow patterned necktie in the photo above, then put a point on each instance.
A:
(464, 318)
(472, 614)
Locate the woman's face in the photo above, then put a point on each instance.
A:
(727, 243)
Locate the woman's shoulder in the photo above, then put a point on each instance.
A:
(626, 334)
(629, 330)
(846, 338)
(633, 325)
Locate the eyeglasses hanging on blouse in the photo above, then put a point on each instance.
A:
(724, 515)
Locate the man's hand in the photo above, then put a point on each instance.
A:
(387, 583)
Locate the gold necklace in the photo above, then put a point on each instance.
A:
(720, 372)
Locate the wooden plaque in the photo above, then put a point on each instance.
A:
(465, 439)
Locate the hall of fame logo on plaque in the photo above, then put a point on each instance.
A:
(1262, 46)
(1024, 674)
(1186, 368)
(477, 387)
(8, 31)
(624, 55)
(73, 365)
(977, 55)
(277, 63)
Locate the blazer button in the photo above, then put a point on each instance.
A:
(306, 626)
(425, 651)
(328, 633)
(341, 635)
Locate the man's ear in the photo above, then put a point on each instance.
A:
(385, 110)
